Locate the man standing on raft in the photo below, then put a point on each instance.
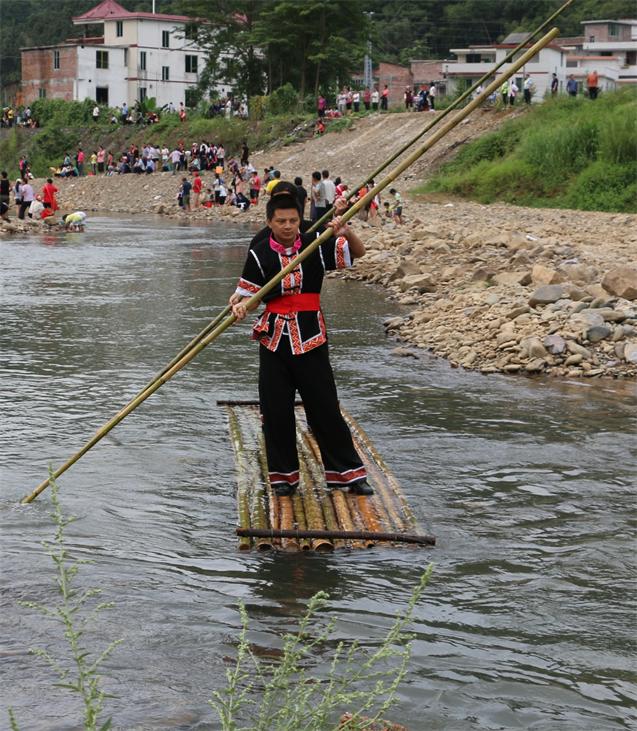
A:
(293, 350)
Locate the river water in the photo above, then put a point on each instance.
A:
(529, 620)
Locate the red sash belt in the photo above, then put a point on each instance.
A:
(290, 303)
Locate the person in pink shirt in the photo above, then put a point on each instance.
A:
(101, 156)
(80, 161)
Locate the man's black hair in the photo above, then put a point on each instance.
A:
(326, 173)
(297, 180)
(283, 200)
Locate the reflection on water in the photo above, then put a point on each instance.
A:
(528, 484)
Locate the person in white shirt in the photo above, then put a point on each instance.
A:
(513, 92)
(28, 196)
(375, 99)
(175, 157)
(432, 96)
(330, 188)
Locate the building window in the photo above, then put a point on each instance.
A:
(142, 93)
(126, 57)
(193, 95)
(42, 93)
(101, 95)
(613, 30)
(101, 59)
(191, 31)
(56, 59)
(165, 73)
(473, 58)
(191, 64)
(591, 39)
(142, 60)
(119, 28)
(535, 59)
(165, 39)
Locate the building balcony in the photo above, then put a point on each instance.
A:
(612, 46)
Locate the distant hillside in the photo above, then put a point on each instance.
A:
(565, 153)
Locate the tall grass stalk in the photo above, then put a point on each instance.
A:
(288, 696)
(79, 671)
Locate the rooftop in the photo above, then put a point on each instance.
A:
(112, 10)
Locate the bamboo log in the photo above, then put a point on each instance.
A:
(335, 497)
(288, 533)
(243, 504)
(313, 512)
(269, 286)
(318, 478)
(347, 535)
(392, 483)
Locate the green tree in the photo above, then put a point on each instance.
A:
(313, 44)
(227, 35)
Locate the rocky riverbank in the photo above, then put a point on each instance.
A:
(494, 288)
(512, 290)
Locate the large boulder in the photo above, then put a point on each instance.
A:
(545, 275)
(622, 282)
(508, 279)
(422, 282)
(546, 294)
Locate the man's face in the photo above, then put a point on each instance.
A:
(285, 224)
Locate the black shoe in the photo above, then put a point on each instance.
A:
(361, 488)
(284, 490)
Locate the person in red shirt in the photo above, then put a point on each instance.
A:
(48, 195)
(197, 185)
(592, 82)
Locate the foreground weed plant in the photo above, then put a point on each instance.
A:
(78, 672)
(286, 696)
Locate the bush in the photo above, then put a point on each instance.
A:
(283, 100)
(565, 152)
(604, 186)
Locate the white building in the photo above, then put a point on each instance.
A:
(472, 62)
(139, 55)
(614, 42)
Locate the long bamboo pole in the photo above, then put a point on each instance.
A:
(269, 286)
(345, 534)
(351, 193)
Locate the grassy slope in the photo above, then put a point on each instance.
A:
(61, 133)
(565, 153)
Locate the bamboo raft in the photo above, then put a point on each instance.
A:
(315, 518)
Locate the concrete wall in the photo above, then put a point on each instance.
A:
(38, 73)
(601, 34)
(89, 77)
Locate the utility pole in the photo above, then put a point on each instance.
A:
(367, 67)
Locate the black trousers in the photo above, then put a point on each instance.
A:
(281, 375)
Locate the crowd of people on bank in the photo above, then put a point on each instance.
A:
(240, 185)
